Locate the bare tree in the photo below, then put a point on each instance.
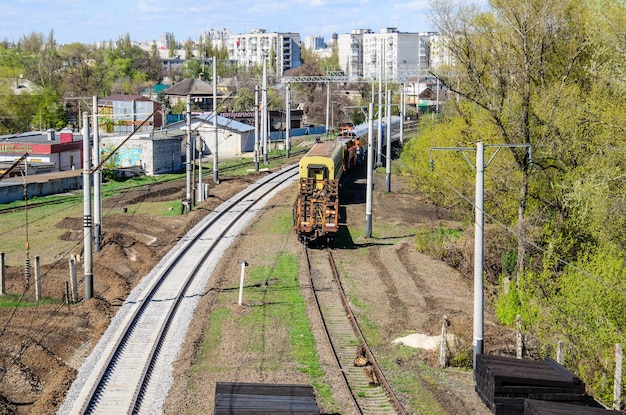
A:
(505, 59)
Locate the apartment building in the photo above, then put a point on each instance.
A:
(392, 54)
(251, 49)
(314, 42)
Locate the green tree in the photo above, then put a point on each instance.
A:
(32, 43)
(505, 58)
(548, 74)
(154, 71)
(51, 111)
(244, 101)
(272, 60)
(188, 49)
(173, 46)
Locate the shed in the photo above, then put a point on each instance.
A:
(150, 154)
(233, 137)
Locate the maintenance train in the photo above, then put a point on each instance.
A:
(316, 209)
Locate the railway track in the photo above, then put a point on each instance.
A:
(371, 393)
(133, 359)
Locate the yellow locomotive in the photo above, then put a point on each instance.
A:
(316, 209)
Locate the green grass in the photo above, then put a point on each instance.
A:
(412, 381)
(41, 233)
(434, 241)
(242, 165)
(210, 341)
(281, 222)
(16, 300)
(274, 317)
(165, 208)
(276, 306)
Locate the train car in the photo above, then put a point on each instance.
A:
(316, 209)
(361, 131)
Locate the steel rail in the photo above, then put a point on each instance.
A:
(129, 327)
(355, 325)
(320, 314)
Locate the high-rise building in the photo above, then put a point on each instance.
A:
(251, 49)
(439, 52)
(166, 37)
(389, 53)
(314, 42)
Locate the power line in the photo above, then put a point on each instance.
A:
(531, 243)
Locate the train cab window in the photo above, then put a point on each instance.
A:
(319, 173)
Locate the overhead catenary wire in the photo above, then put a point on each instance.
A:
(531, 243)
(31, 338)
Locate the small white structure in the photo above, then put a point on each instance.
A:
(233, 137)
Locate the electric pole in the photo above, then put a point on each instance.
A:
(479, 232)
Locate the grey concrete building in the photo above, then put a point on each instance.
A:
(149, 154)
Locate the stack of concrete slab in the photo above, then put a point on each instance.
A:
(504, 383)
(261, 398)
(533, 407)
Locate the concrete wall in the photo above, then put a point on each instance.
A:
(165, 157)
(151, 156)
(11, 191)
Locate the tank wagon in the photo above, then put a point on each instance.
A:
(316, 209)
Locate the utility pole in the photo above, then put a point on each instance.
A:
(370, 162)
(256, 128)
(87, 231)
(380, 108)
(288, 119)
(479, 256)
(187, 201)
(479, 232)
(328, 108)
(402, 108)
(97, 180)
(264, 114)
(216, 179)
(388, 146)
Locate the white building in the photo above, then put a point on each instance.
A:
(439, 53)
(145, 153)
(389, 53)
(314, 42)
(233, 137)
(251, 49)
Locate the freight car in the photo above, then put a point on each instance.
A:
(316, 209)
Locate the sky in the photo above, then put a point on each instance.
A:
(90, 21)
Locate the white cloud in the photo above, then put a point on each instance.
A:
(151, 7)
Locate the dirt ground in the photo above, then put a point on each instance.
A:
(399, 289)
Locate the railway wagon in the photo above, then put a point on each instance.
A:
(361, 131)
(316, 209)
